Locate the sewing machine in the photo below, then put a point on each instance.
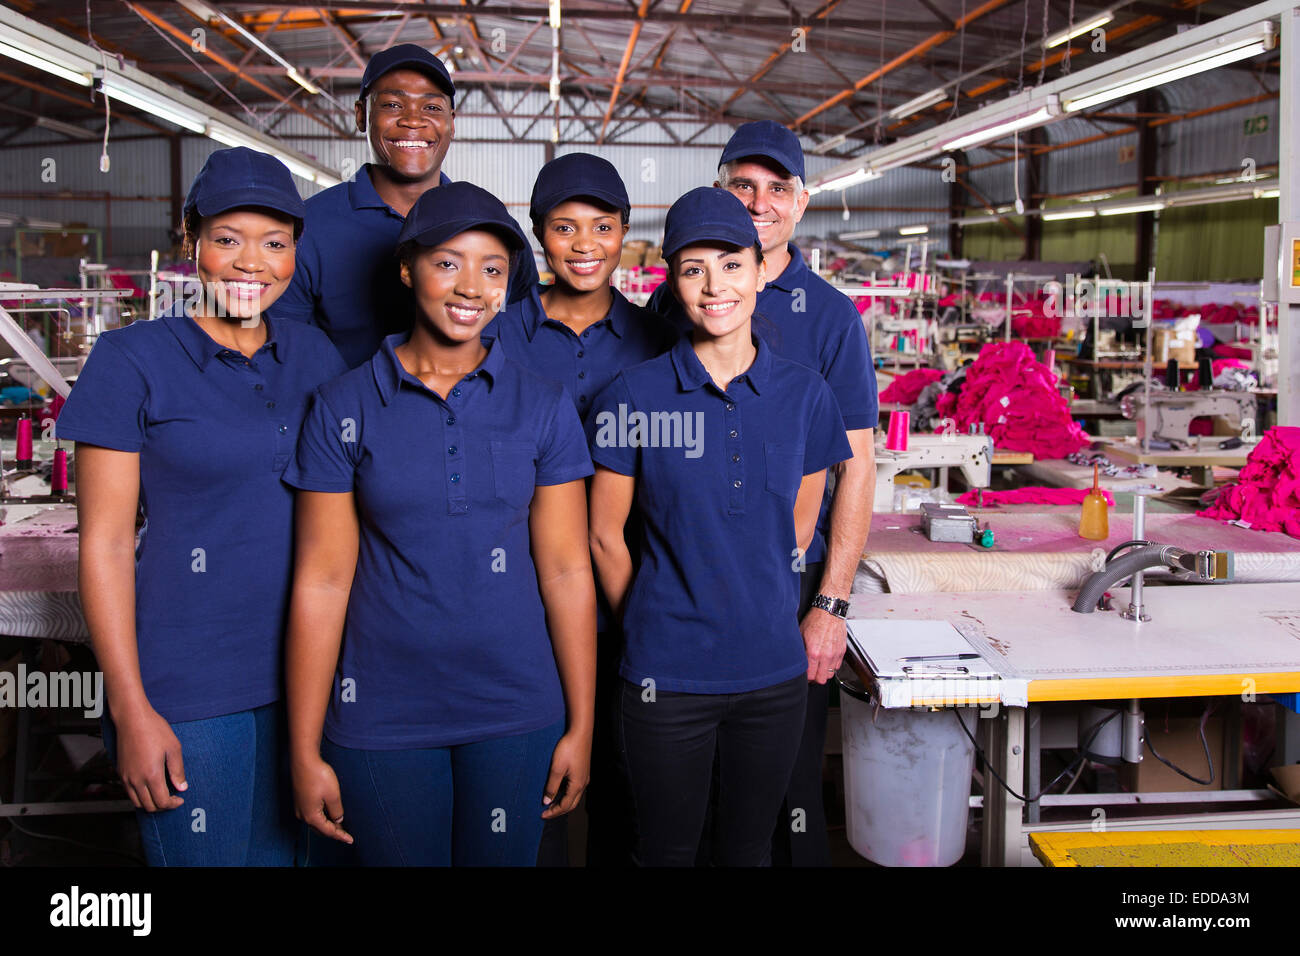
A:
(973, 454)
(1171, 413)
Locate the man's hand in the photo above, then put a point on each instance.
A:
(824, 639)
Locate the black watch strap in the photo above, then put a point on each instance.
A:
(837, 606)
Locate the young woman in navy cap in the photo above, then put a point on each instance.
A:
(580, 331)
(192, 418)
(442, 633)
(724, 448)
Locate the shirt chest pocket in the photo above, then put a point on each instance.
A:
(514, 472)
(784, 463)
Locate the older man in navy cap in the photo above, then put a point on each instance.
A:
(817, 326)
(347, 279)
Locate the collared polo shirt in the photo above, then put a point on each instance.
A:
(347, 280)
(584, 364)
(804, 318)
(215, 430)
(713, 606)
(445, 640)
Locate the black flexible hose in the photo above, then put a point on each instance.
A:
(1148, 556)
(1120, 547)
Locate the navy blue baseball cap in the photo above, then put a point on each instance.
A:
(408, 56)
(707, 214)
(453, 208)
(768, 139)
(577, 175)
(240, 176)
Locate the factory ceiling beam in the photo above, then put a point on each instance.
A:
(622, 66)
(820, 14)
(217, 58)
(884, 69)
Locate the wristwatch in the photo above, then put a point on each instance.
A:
(837, 606)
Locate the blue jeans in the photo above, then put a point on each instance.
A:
(476, 804)
(238, 810)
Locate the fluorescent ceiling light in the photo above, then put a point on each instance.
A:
(1087, 26)
(146, 100)
(913, 230)
(1224, 50)
(852, 178)
(918, 104)
(1133, 207)
(828, 145)
(1058, 214)
(1048, 111)
(64, 69)
(1268, 193)
(302, 81)
(67, 129)
(1093, 197)
(864, 234)
(205, 11)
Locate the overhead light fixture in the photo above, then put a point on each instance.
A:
(1093, 197)
(232, 137)
(302, 81)
(144, 99)
(852, 178)
(42, 60)
(1059, 214)
(1043, 114)
(827, 145)
(1268, 193)
(205, 11)
(913, 230)
(1128, 208)
(67, 129)
(864, 234)
(1087, 26)
(1204, 56)
(919, 103)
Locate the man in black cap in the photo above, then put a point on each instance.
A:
(347, 279)
(811, 322)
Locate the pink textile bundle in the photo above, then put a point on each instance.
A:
(1267, 494)
(1015, 396)
(1034, 495)
(906, 389)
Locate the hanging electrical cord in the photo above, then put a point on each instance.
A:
(1080, 757)
(1024, 32)
(1069, 47)
(1205, 743)
(1042, 55)
(961, 57)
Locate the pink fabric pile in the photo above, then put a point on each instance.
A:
(1267, 494)
(1015, 396)
(907, 388)
(1034, 495)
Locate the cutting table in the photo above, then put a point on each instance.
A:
(1225, 640)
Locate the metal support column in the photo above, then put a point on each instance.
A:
(1004, 753)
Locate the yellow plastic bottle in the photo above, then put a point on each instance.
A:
(1094, 523)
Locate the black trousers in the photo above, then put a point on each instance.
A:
(800, 837)
(669, 743)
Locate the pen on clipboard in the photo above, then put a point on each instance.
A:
(942, 657)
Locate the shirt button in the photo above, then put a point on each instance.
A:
(451, 450)
(582, 375)
(455, 477)
(735, 458)
(283, 429)
(581, 353)
(451, 420)
(455, 392)
(270, 404)
(731, 406)
(257, 388)
(737, 483)
(733, 433)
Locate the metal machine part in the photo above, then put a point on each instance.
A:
(1197, 566)
(973, 454)
(942, 522)
(1171, 413)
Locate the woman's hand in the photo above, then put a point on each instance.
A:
(148, 753)
(317, 800)
(571, 763)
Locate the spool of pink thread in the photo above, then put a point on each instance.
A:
(896, 436)
(24, 448)
(1049, 359)
(59, 477)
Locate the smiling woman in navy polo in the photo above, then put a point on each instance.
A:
(724, 446)
(193, 418)
(442, 637)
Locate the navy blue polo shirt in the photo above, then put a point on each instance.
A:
(214, 430)
(713, 606)
(445, 640)
(346, 280)
(584, 364)
(804, 318)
